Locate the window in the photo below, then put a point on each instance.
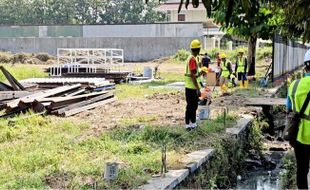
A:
(168, 16)
(181, 17)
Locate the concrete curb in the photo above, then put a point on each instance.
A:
(194, 161)
(273, 91)
(242, 124)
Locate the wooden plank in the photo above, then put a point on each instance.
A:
(14, 83)
(66, 98)
(42, 94)
(83, 103)
(87, 107)
(77, 92)
(8, 95)
(265, 101)
(64, 101)
(5, 87)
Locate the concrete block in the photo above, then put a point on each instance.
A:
(241, 125)
(195, 159)
(170, 181)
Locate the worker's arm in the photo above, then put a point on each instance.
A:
(193, 66)
(245, 64)
(194, 79)
(288, 104)
(229, 67)
(236, 68)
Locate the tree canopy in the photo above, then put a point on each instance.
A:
(49, 12)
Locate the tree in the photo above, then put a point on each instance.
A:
(250, 23)
(296, 18)
(249, 19)
(129, 11)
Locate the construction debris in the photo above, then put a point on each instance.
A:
(57, 96)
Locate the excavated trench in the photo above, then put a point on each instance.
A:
(254, 161)
(264, 170)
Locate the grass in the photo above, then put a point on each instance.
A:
(125, 91)
(20, 71)
(37, 151)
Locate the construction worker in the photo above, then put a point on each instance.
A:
(297, 94)
(206, 60)
(192, 85)
(241, 66)
(226, 71)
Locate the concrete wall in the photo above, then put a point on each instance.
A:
(144, 30)
(135, 48)
(123, 30)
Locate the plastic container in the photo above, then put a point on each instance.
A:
(148, 72)
(204, 112)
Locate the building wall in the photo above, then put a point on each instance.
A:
(125, 30)
(144, 30)
(190, 15)
(141, 42)
(135, 48)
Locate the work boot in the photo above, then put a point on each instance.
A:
(188, 127)
(194, 125)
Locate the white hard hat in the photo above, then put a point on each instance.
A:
(307, 56)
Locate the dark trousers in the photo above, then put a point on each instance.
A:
(191, 105)
(302, 153)
(242, 76)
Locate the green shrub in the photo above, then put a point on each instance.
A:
(261, 53)
(288, 176)
(43, 57)
(5, 57)
(21, 57)
(182, 55)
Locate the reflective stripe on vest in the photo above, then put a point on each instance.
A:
(188, 80)
(241, 65)
(297, 93)
(225, 71)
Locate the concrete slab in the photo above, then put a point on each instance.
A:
(170, 181)
(241, 125)
(195, 159)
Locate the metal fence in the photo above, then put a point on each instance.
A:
(89, 58)
(287, 56)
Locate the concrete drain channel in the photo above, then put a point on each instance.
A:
(262, 170)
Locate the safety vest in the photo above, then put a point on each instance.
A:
(225, 71)
(188, 80)
(297, 93)
(241, 65)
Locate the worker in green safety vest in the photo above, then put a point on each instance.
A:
(226, 71)
(297, 94)
(241, 67)
(192, 85)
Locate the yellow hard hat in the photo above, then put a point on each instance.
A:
(223, 56)
(204, 69)
(241, 51)
(195, 44)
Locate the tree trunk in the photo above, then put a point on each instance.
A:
(251, 55)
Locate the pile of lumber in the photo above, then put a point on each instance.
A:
(89, 83)
(61, 101)
(62, 98)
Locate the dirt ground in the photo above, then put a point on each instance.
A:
(155, 110)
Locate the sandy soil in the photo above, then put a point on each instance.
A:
(155, 110)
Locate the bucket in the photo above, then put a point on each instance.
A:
(148, 72)
(204, 112)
